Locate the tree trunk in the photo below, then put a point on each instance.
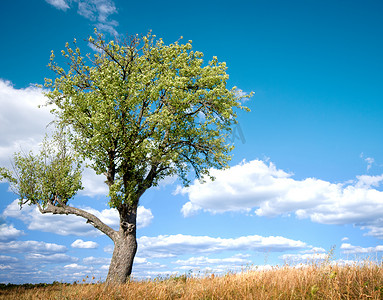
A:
(125, 247)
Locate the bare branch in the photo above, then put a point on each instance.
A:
(70, 210)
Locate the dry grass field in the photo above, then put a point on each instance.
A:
(326, 281)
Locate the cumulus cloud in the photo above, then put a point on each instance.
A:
(204, 264)
(173, 245)
(23, 126)
(110, 216)
(350, 249)
(71, 224)
(94, 185)
(144, 217)
(268, 191)
(31, 247)
(51, 258)
(142, 266)
(98, 11)
(84, 245)
(193, 262)
(8, 232)
(75, 267)
(108, 249)
(91, 260)
(59, 224)
(22, 123)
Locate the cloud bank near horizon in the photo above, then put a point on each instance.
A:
(261, 188)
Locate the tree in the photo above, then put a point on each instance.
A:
(138, 111)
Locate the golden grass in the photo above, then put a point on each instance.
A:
(360, 281)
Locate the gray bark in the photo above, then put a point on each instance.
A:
(125, 247)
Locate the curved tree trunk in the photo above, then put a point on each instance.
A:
(125, 247)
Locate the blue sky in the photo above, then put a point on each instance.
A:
(307, 169)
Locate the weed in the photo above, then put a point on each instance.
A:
(314, 281)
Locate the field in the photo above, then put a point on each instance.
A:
(326, 281)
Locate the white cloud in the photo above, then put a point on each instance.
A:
(110, 216)
(172, 245)
(309, 257)
(71, 224)
(271, 192)
(314, 250)
(75, 267)
(239, 188)
(369, 160)
(8, 232)
(350, 249)
(367, 182)
(144, 217)
(376, 229)
(94, 185)
(109, 249)
(142, 265)
(22, 123)
(51, 258)
(31, 247)
(84, 245)
(91, 260)
(59, 4)
(205, 261)
(59, 224)
(8, 259)
(97, 11)
(23, 126)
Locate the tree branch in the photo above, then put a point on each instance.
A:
(70, 210)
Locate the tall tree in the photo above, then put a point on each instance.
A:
(139, 111)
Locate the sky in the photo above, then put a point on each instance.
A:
(307, 169)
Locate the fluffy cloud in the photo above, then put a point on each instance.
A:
(144, 217)
(202, 265)
(193, 262)
(8, 232)
(75, 267)
(96, 260)
(23, 126)
(22, 123)
(111, 217)
(271, 192)
(31, 247)
(94, 185)
(350, 249)
(51, 258)
(173, 245)
(59, 224)
(71, 224)
(84, 245)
